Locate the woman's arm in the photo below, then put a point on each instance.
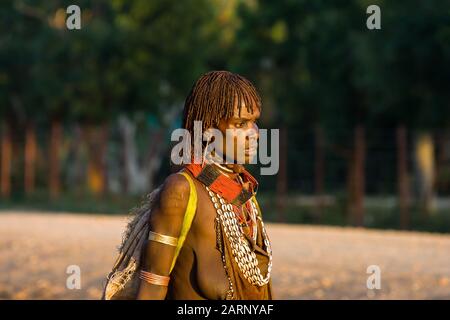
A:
(166, 219)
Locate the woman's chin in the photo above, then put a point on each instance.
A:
(250, 157)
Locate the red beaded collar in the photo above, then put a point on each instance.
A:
(232, 191)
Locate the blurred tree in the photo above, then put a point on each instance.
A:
(404, 70)
(166, 46)
(323, 77)
(302, 56)
(270, 52)
(129, 57)
(322, 68)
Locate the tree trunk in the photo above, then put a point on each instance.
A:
(76, 172)
(281, 187)
(319, 169)
(128, 152)
(402, 177)
(54, 169)
(97, 142)
(30, 159)
(350, 189)
(6, 155)
(425, 170)
(441, 166)
(358, 176)
(154, 157)
(104, 137)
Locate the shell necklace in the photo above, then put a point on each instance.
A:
(244, 256)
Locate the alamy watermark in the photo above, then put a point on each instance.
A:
(241, 146)
(374, 280)
(73, 281)
(373, 22)
(73, 21)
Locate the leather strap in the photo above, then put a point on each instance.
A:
(188, 216)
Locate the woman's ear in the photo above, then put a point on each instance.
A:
(207, 135)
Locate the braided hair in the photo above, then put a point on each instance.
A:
(213, 98)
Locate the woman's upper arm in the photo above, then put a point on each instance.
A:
(166, 219)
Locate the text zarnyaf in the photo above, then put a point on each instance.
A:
(226, 309)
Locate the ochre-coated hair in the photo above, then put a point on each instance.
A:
(214, 96)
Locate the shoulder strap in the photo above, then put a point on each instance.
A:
(188, 217)
(257, 205)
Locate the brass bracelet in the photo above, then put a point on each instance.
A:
(154, 278)
(161, 238)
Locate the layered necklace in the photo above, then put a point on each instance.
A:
(230, 214)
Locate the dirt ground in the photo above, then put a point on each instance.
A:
(309, 262)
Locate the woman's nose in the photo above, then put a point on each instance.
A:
(252, 133)
(255, 129)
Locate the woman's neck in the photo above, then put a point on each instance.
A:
(229, 169)
(232, 171)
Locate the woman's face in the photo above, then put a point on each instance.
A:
(242, 130)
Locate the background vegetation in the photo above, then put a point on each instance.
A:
(86, 115)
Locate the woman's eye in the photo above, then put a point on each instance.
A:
(240, 124)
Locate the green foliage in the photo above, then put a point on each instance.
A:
(315, 60)
(325, 66)
(128, 56)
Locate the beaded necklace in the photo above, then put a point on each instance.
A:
(231, 201)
